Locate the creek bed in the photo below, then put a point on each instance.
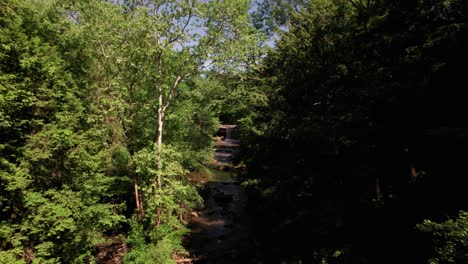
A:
(220, 231)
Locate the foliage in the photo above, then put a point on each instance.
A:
(349, 147)
(192, 122)
(80, 84)
(144, 252)
(450, 239)
(349, 124)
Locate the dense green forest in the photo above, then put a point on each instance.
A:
(351, 116)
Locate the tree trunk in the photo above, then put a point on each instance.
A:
(159, 144)
(162, 108)
(136, 180)
(138, 200)
(413, 173)
(159, 156)
(378, 192)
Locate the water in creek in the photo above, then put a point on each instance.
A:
(220, 231)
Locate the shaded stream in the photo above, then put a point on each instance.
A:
(220, 231)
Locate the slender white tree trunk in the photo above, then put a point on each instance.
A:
(159, 142)
(158, 153)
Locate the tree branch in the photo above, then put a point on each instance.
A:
(171, 40)
(354, 4)
(174, 87)
(171, 94)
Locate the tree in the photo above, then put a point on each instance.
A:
(170, 41)
(147, 54)
(450, 239)
(358, 117)
(57, 179)
(86, 90)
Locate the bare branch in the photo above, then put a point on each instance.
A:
(171, 94)
(156, 7)
(102, 49)
(174, 87)
(175, 38)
